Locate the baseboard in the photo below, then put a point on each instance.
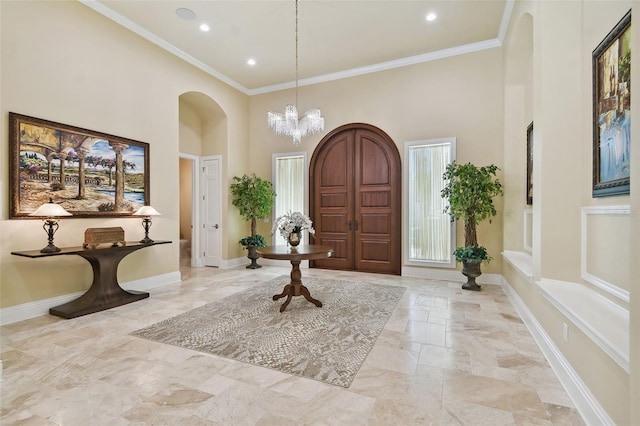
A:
(39, 308)
(584, 401)
(448, 275)
(234, 263)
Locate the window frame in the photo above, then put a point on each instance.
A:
(451, 141)
(274, 215)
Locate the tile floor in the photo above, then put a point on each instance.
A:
(445, 357)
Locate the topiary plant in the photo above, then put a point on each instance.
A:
(253, 196)
(470, 191)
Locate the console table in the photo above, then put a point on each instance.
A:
(105, 292)
(295, 255)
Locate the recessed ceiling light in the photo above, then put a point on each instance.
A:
(431, 16)
(204, 27)
(186, 14)
(251, 61)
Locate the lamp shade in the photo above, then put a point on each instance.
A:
(50, 209)
(146, 211)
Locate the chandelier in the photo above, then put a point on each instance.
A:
(288, 124)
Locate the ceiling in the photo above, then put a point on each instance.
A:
(336, 38)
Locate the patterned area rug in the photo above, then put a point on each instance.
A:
(328, 344)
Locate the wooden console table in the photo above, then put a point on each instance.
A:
(295, 255)
(105, 292)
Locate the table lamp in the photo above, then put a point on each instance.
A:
(51, 212)
(147, 212)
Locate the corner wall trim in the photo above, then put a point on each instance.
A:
(40, 308)
(588, 406)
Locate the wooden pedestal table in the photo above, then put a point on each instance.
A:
(295, 255)
(105, 292)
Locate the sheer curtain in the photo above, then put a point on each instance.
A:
(429, 228)
(289, 186)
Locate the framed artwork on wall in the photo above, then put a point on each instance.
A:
(90, 174)
(612, 111)
(530, 164)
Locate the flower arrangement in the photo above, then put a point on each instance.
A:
(292, 222)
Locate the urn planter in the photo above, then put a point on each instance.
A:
(253, 256)
(471, 270)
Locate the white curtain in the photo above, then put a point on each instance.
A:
(428, 226)
(289, 187)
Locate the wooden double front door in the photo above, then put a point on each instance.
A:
(355, 198)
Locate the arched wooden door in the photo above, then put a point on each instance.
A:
(355, 198)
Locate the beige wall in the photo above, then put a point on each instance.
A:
(190, 139)
(459, 96)
(63, 62)
(560, 37)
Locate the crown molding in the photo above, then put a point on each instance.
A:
(382, 66)
(403, 62)
(506, 18)
(148, 35)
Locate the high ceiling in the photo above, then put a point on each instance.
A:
(336, 38)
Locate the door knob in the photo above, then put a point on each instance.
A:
(216, 226)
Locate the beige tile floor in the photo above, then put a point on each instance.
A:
(445, 357)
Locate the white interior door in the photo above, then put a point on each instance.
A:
(212, 200)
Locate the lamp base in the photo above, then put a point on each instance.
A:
(50, 249)
(146, 224)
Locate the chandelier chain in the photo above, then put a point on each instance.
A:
(296, 54)
(289, 123)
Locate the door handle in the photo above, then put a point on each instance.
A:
(216, 226)
(356, 223)
(349, 225)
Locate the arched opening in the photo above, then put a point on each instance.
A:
(202, 145)
(518, 118)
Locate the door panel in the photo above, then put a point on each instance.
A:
(377, 183)
(211, 218)
(355, 199)
(334, 186)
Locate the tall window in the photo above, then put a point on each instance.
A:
(430, 233)
(290, 183)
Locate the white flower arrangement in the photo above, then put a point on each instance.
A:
(292, 222)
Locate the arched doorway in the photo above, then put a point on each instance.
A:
(202, 140)
(355, 199)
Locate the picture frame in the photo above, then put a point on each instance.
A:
(612, 111)
(89, 173)
(529, 190)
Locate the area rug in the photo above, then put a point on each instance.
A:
(328, 344)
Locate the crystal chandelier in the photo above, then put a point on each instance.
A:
(288, 124)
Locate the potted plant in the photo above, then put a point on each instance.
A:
(470, 191)
(253, 196)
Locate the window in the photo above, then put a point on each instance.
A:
(430, 232)
(290, 184)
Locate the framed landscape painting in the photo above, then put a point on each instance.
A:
(612, 111)
(90, 174)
